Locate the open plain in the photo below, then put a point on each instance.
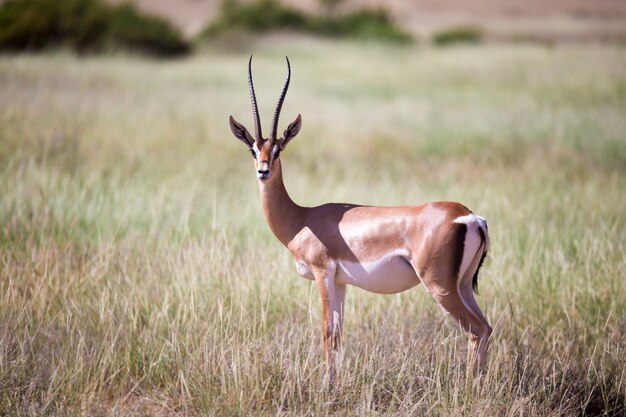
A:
(138, 276)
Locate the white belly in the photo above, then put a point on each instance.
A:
(389, 275)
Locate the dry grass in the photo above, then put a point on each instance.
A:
(137, 276)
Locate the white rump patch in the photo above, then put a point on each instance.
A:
(467, 219)
(472, 242)
(472, 246)
(483, 225)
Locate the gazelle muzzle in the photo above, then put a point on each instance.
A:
(263, 170)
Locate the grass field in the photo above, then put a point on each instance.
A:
(138, 276)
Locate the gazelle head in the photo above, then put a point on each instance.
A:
(265, 150)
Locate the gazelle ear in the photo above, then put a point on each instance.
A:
(291, 132)
(241, 132)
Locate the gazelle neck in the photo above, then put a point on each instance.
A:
(284, 217)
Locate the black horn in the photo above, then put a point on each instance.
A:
(280, 103)
(255, 108)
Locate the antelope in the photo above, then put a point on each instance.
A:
(384, 250)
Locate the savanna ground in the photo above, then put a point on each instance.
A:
(138, 277)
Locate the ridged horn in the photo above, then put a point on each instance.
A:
(255, 108)
(280, 103)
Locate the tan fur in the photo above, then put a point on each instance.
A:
(380, 249)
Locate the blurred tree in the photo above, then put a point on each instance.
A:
(85, 26)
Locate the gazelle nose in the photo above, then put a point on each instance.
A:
(263, 170)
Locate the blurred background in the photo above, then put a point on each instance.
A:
(95, 24)
(560, 20)
(138, 275)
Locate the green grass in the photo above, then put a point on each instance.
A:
(137, 275)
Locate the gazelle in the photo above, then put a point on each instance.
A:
(384, 250)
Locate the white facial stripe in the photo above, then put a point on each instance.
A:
(275, 149)
(255, 149)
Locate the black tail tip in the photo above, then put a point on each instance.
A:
(483, 238)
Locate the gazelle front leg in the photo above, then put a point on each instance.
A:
(332, 296)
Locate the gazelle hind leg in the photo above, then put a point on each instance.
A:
(446, 286)
(451, 301)
(443, 272)
(480, 341)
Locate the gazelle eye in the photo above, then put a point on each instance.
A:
(253, 153)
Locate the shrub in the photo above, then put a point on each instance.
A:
(37, 24)
(267, 15)
(148, 34)
(261, 16)
(460, 34)
(369, 24)
(85, 26)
